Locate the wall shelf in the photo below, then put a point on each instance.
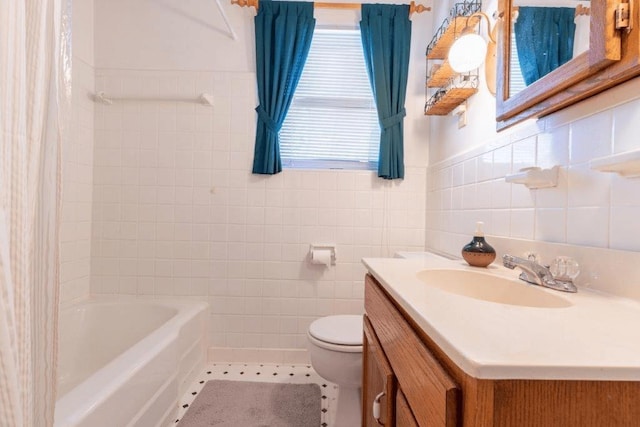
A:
(439, 47)
(441, 76)
(443, 104)
(444, 88)
(625, 164)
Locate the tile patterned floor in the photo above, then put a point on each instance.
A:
(294, 374)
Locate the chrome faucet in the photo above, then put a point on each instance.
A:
(538, 274)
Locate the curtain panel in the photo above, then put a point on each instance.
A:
(386, 40)
(544, 39)
(283, 32)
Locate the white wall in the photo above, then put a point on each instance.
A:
(177, 211)
(586, 209)
(77, 157)
(172, 35)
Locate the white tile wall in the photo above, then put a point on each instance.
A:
(77, 173)
(586, 209)
(177, 213)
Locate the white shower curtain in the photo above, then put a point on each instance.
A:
(34, 106)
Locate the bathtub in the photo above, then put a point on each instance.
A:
(127, 362)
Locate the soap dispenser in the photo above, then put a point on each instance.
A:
(478, 252)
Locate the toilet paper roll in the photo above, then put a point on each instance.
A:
(321, 256)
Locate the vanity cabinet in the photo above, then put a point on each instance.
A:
(429, 389)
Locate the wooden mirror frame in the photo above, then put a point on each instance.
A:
(583, 76)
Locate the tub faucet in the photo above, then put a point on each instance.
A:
(537, 274)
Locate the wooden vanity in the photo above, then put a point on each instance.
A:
(422, 386)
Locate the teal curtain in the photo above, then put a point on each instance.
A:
(544, 38)
(283, 37)
(386, 39)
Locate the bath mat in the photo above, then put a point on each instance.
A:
(254, 404)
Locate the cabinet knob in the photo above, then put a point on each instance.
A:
(376, 408)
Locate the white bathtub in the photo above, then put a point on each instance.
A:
(127, 362)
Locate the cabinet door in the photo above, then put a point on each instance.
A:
(433, 395)
(404, 416)
(378, 382)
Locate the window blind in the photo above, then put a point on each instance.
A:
(332, 121)
(516, 80)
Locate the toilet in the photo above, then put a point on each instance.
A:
(335, 347)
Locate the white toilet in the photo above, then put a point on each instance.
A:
(335, 346)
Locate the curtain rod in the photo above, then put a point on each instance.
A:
(413, 7)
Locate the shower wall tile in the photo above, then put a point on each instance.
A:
(77, 188)
(177, 213)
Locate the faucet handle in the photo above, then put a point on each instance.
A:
(565, 268)
(533, 257)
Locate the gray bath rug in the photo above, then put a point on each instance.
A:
(254, 404)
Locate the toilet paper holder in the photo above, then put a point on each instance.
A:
(322, 254)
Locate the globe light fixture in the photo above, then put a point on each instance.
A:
(467, 53)
(469, 50)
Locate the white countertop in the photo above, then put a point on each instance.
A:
(596, 338)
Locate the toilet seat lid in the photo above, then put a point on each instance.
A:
(341, 329)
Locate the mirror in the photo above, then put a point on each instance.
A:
(516, 103)
(544, 35)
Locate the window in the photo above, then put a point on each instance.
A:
(332, 122)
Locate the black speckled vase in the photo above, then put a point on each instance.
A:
(478, 252)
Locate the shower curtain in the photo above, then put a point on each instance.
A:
(35, 90)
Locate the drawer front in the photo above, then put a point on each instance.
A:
(430, 391)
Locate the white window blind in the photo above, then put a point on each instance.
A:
(332, 122)
(516, 80)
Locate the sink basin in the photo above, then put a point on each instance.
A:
(491, 288)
